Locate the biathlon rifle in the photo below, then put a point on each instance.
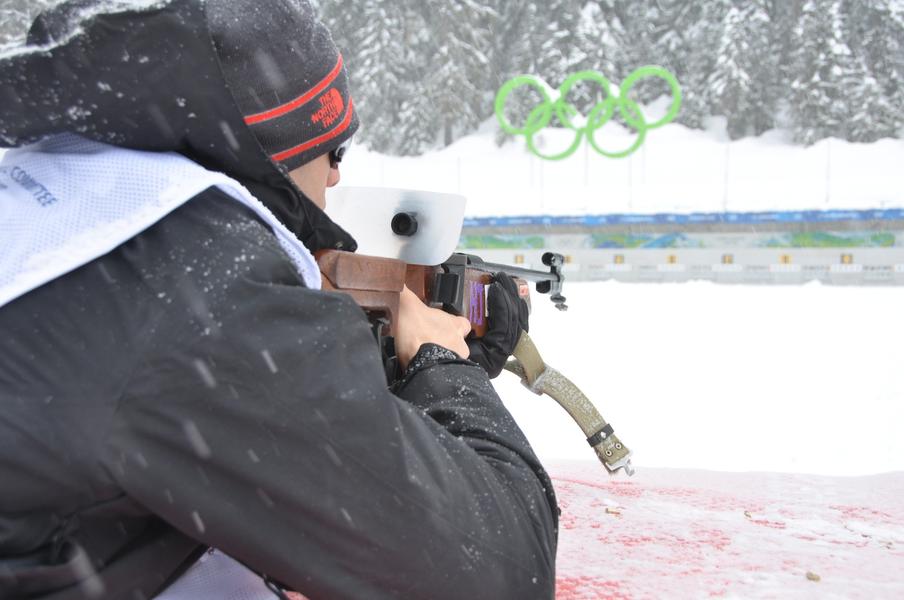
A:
(458, 286)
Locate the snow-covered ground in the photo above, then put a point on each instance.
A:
(683, 534)
(676, 170)
(804, 379)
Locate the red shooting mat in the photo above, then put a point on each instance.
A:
(668, 533)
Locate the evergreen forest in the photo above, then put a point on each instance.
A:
(426, 72)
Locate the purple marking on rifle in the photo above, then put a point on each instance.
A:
(476, 309)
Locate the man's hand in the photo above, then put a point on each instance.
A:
(419, 324)
(507, 316)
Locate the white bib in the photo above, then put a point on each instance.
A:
(217, 576)
(66, 201)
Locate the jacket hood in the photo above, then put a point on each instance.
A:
(145, 75)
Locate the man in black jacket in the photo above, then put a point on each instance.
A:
(172, 379)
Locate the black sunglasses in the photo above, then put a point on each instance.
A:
(337, 153)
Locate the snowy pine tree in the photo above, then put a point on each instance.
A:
(818, 67)
(699, 34)
(556, 46)
(511, 40)
(876, 32)
(741, 86)
(823, 68)
(601, 37)
(833, 93)
(418, 66)
(456, 64)
(374, 38)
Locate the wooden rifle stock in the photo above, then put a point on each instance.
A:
(376, 283)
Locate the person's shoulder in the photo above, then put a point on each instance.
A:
(212, 219)
(210, 242)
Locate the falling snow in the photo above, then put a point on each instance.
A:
(197, 441)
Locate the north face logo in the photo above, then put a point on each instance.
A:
(331, 106)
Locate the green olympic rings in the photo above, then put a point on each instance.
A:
(540, 116)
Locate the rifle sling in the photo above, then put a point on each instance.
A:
(540, 378)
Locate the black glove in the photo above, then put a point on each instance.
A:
(506, 318)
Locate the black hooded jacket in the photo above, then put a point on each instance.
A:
(187, 390)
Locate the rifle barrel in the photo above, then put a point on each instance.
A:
(527, 274)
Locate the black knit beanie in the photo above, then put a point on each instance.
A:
(286, 75)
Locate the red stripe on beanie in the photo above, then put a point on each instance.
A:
(300, 101)
(337, 130)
